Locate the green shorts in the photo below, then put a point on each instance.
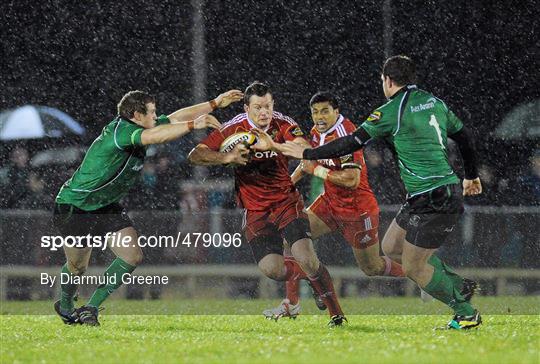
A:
(429, 218)
(72, 221)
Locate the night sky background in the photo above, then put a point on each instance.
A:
(481, 57)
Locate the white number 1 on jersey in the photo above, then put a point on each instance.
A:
(433, 122)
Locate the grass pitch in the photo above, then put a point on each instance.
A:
(390, 338)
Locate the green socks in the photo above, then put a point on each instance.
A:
(67, 292)
(113, 276)
(445, 285)
(458, 281)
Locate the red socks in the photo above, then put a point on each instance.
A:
(293, 270)
(321, 282)
(293, 276)
(323, 286)
(392, 268)
(291, 289)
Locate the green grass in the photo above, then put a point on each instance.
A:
(390, 338)
(502, 305)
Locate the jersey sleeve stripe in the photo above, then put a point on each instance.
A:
(444, 103)
(114, 135)
(237, 119)
(136, 137)
(284, 118)
(405, 97)
(341, 131)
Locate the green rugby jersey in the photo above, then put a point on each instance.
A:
(416, 124)
(110, 167)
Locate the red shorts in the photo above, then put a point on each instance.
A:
(360, 228)
(273, 220)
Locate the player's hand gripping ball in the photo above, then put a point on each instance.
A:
(238, 157)
(244, 137)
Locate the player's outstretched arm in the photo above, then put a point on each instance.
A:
(193, 112)
(472, 187)
(203, 155)
(471, 182)
(169, 132)
(265, 142)
(348, 178)
(336, 148)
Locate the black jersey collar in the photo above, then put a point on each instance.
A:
(402, 90)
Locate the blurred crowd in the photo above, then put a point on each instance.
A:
(174, 196)
(23, 186)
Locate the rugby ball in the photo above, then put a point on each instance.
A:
(243, 137)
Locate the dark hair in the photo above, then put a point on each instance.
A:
(324, 96)
(256, 88)
(400, 69)
(134, 101)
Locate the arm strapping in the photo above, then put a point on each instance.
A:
(463, 139)
(339, 147)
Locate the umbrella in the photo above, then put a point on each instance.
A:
(34, 122)
(522, 122)
(61, 156)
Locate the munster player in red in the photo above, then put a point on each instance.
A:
(347, 204)
(274, 210)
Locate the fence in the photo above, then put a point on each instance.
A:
(222, 281)
(498, 245)
(487, 237)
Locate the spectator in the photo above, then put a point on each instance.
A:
(17, 178)
(530, 183)
(35, 196)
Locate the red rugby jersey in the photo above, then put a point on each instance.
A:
(343, 199)
(265, 179)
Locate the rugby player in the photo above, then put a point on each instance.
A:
(273, 208)
(347, 204)
(417, 125)
(87, 203)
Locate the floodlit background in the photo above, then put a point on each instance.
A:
(65, 65)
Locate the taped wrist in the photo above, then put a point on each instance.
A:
(321, 172)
